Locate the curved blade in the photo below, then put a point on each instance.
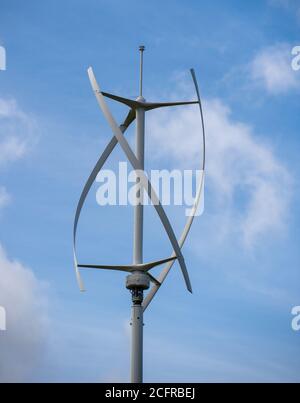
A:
(190, 219)
(144, 180)
(109, 148)
(201, 115)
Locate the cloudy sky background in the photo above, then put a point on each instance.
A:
(243, 253)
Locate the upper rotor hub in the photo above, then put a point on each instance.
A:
(140, 99)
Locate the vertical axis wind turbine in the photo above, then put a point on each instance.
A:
(139, 277)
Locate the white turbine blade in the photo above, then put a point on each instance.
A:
(201, 114)
(105, 267)
(146, 105)
(190, 219)
(149, 266)
(83, 196)
(154, 105)
(122, 100)
(78, 276)
(144, 180)
(130, 267)
(109, 148)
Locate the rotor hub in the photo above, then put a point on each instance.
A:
(138, 280)
(140, 99)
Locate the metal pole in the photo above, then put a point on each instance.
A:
(141, 49)
(137, 291)
(139, 208)
(137, 343)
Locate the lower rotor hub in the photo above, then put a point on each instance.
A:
(137, 282)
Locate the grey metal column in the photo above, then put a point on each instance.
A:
(140, 155)
(137, 309)
(139, 209)
(137, 343)
(138, 282)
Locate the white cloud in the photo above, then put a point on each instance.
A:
(4, 197)
(17, 136)
(271, 68)
(23, 343)
(17, 132)
(249, 186)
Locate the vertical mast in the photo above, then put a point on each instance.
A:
(138, 281)
(141, 49)
(140, 145)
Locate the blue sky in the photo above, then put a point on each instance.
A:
(243, 253)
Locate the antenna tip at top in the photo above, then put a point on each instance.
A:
(141, 48)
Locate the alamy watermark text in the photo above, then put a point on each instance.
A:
(296, 59)
(174, 187)
(296, 318)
